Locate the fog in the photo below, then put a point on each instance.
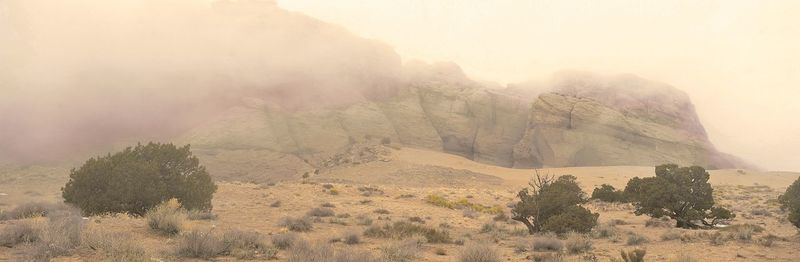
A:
(75, 74)
(738, 60)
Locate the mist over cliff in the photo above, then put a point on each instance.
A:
(247, 77)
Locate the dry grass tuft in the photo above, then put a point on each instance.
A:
(117, 246)
(478, 252)
(403, 229)
(296, 224)
(402, 251)
(20, 233)
(165, 218)
(578, 243)
(547, 243)
(321, 212)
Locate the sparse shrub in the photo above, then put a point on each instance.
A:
(608, 193)
(769, 240)
(200, 215)
(553, 205)
(139, 178)
(416, 220)
(196, 244)
(117, 246)
(760, 212)
(440, 251)
(636, 239)
(743, 232)
(683, 257)
(327, 186)
(348, 255)
(363, 220)
(478, 252)
(658, 222)
(719, 238)
(616, 222)
(382, 211)
(501, 217)
(303, 251)
(351, 238)
(681, 193)
(338, 221)
(604, 231)
(246, 245)
(578, 243)
(790, 201)
(636, 255)
(402, 229)
(321, 212)
(671, 235)
(548, 257)
(547, 243)
(277, 203)
(402, 251)
(34, 209)
(333, 192)
(488, 227)
(296, 224)
(469, 213)
(284, 241)
(365, 201)
(522, 246)
(18, 233)
(406, 196)
(386, 140)
(370, 191)
(328, 205)
(438, 200)
(165, 218)
(60, 237)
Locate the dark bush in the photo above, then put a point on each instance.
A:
(608, 193)
(553, 205)
(790, 201)
(680, 193)
(139, 178)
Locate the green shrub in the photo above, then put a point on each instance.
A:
(608, 193)
(680, 193)
(553, 205)
(139, 178)
(790, 201)
(165, 218)
(478, 252)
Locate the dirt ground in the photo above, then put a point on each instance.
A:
(409, 175)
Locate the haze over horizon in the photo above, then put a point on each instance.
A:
(736, 59)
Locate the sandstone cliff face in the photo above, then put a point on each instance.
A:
(579, 120)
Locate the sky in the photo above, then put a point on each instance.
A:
(738, 60)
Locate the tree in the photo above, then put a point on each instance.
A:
(681, 193)
(553, 205)
(139, 178)
(790, 200)
(608, 193)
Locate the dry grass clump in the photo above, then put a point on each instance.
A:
(604, 231)
(200, 215)
(351, 238)
(165, 218)
(302, 224)
(363, 220)
(284, 241)
(321, 212)
(240, 244)
(370, 191)
(416, 220)
(303, 251)
(19, 233)
(548, 257)
(403, 229)
(478, 252)
(36, 209)
(683, 257)
(117, 246)
(547, 243)
(671, 235)
(578, 243)
(277, 203)
(402, 251)
(743, 232)
(636, 255)
(61, 236)
(463, 203)
(382, 211)
(353, 256)
(328, 204)
(659, 222)
(636, 239)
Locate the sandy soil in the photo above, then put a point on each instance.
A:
(415, 174)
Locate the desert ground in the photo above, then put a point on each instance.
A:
(392, 185)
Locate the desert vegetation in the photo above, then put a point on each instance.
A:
(553, 205)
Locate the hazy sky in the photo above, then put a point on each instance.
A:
(739, 60)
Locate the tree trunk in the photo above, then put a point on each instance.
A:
(531, 228)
